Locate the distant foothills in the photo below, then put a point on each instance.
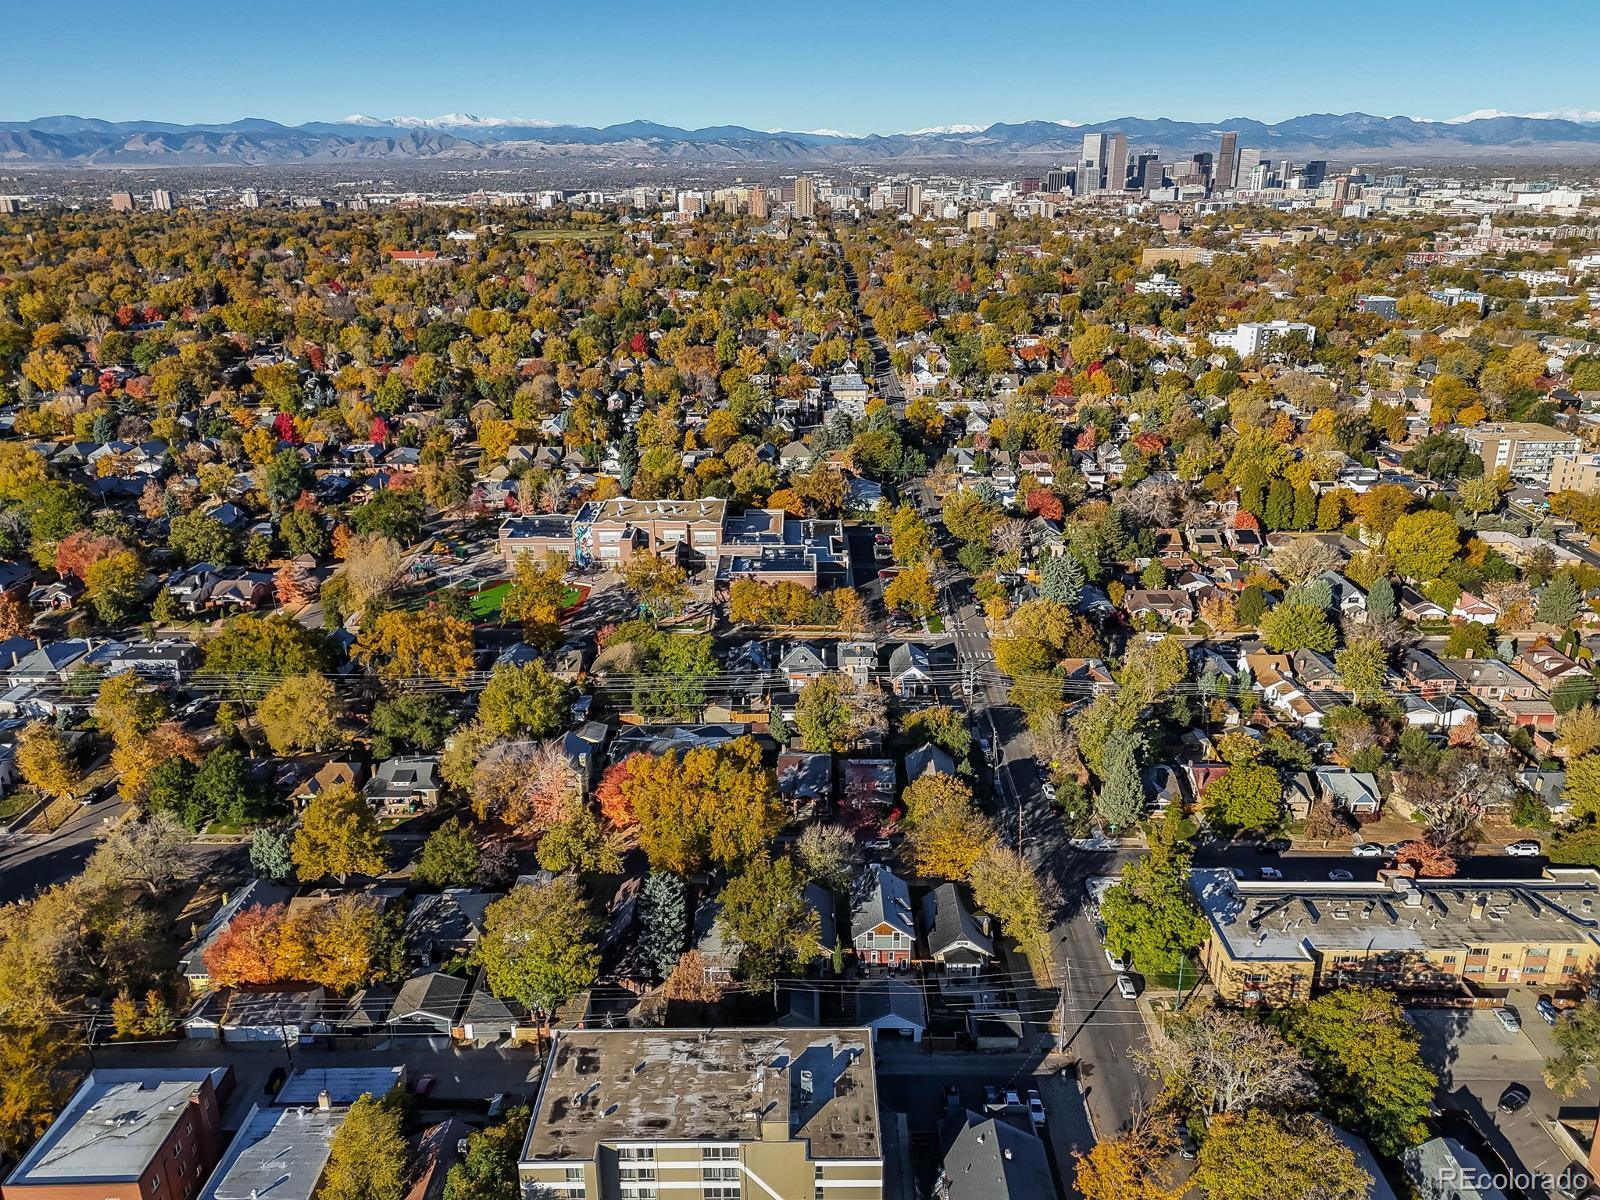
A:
(462, 138)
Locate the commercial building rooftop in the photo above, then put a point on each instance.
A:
(278, 1152)
(112, 1127)
(610, 1086)
(1278, 921)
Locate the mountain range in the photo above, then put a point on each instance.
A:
(462, 139)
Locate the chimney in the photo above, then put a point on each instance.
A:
(324, 1101)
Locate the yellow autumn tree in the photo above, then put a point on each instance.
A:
(426, 645)
(946, 832)
(337, 836)
(45, 763)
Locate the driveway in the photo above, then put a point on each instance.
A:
(1476, 1058)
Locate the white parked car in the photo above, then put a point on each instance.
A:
(1510, 1018)
(1035, 1108)
(1271, 873)
(1524, 850)
(1368, 850)
(1117, 964)
(1128, 988)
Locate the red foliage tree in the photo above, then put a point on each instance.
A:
(1042, 502)
(379, 431)
(1088, 439)
(639, 345)
(292, 584)
(1431, 861)
(79, 551)
(126, 315)
(283, 428)
(247, 950)
(611, 792)
(1246, 520)
(315, 357)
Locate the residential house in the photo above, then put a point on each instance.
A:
(956, 939)
(1171, 606)
(1414, 606)
(1427, 674)
(1474, 608)
(1490, 679)
(894, 1007)
(1546, 665)
(911, 672)
(858, 661)
(881, 924)
(445, 926)
(928, 758)
(336, 773)
(1354, 792)
(257, 894)
(987, 1158)
(428, 1003)
(402, 786)
(801, 664)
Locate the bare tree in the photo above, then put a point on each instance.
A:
(1158, 502)
(373, 565)
(151, 854)
(1008, 535)
(1304, 559)
(1227, 1061)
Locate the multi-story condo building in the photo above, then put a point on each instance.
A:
(1256, 337)
(128, 1135)
(1575, 473)
(714, 1114)
(1524, 448)
(1273, 942)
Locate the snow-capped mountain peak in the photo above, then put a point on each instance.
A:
(455, 120)
(945, 129)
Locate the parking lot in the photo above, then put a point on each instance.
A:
(1476, 1058)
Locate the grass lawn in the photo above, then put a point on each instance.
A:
(16, 802)
(935, 624)
(564, 235)
(486, 604)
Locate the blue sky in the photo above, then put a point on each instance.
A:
(864, 66)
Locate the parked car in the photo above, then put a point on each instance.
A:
(1117, 964)
(1273, 846)
(1510, 1018)
(1048, 789)
(1013, 1099)
(1271, 873)
(1368, 850)
(423, 1086)
(1128, 988)
(1524, 849)
(952, 1099)
(1187, 1146)
(1035, 1108)
(878, 845)
(1340, 875)
(1514, 1098)
(1548, 1010)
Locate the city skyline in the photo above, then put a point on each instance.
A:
(537, 66)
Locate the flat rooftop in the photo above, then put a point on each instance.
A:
(1277, 921)
(112, 1127)
(277, 1153)
(626, 1085)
